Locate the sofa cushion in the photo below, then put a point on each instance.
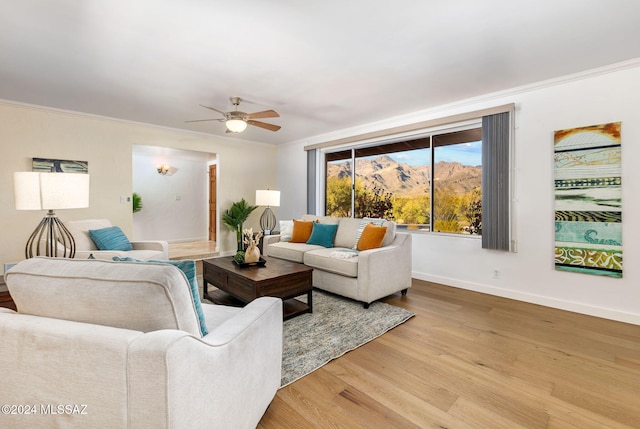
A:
(371, 237)
(322, 260)
(301, 231)
(286, 230)
(188, 267)
(322, 234)
(139, 296)
(110, 238)
(290, 251)
(346, 235)
(80, 231)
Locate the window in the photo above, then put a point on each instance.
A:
(495, 221)
(393, 181)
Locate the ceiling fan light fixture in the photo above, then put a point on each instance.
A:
(236, 125)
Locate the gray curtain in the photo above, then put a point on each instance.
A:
(496, 228)
(311, 181)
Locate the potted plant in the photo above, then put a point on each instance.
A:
(235, 216)
(136, 201)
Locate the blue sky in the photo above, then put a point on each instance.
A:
(466, 154)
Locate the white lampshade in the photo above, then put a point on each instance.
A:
(267, 197)
(236, 125)
(50, 191)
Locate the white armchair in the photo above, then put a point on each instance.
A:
(121, 341)
(79, 229)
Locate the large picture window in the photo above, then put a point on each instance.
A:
(438, 182)
(394, 181)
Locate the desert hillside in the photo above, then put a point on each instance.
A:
(404, 180)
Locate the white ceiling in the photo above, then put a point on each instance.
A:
(324, 65)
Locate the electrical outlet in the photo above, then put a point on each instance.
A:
(7, 267)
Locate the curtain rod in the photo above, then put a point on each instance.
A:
(460, 117)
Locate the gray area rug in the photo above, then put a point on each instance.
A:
(336, 326)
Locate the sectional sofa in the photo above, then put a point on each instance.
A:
(366, 275)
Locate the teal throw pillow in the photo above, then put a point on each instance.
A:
(188, 267)
(111, 238)
(322, 234)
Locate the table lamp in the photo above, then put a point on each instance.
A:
(269, 198)
(50, 191)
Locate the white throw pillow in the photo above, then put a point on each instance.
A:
(286, 230)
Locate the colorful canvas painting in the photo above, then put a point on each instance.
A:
(47, 165)
(588, 200)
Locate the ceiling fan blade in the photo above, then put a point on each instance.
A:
(263, 114)
(264, 125)
(203, 120)
(214, 109)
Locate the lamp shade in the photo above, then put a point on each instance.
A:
(50, 191)
(236, 125)
(267, 197)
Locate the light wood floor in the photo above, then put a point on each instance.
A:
(192, 250)
(469, 360)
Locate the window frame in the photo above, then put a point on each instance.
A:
(429, 134)
(505, 173)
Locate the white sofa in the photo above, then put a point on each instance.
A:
(119, 343)
(368, 276)
(85, 246)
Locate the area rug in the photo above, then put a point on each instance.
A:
(336, 326)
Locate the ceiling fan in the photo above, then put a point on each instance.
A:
(236, 121)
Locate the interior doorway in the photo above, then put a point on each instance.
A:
(212, 201)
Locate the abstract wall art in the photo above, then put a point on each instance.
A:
(47, 165)
(588, 200)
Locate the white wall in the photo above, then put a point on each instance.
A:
(31, 131)
(597, 97)
(175, 205)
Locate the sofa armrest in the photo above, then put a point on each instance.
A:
(236, 369)
(268, 240)
(55, 361)
(158, 245)
(385, 270)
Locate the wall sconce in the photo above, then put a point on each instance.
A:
(163, 169)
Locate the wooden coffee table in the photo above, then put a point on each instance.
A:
(241, 285)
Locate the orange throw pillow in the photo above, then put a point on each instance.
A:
(301, 231)
(372, 237)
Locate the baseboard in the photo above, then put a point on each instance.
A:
(605, 313)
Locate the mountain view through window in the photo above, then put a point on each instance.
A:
(393, 181)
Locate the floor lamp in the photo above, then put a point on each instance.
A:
(270, 199)
(50, 191)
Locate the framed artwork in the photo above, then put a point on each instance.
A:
(588, 200)
(47, 165)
